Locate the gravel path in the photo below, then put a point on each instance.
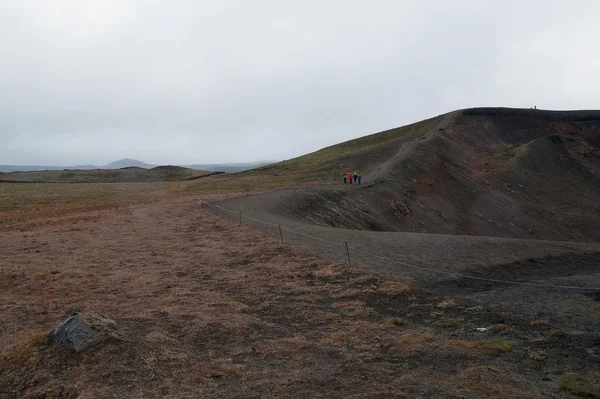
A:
(541, 262)
(449, 253)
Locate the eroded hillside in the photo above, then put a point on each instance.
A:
(487, 171)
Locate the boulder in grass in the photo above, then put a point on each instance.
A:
(84, 330)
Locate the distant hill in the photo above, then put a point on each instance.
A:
(123, 163)
(128, 162)
(27, 168)
(486, 171)
(123, 175)
(229, 167)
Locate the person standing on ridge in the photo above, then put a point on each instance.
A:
(350, 177)
(345, 177)
(359, 179)
(355, 177)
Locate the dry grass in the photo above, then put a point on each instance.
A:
(476, 348)
(500, 329)
(212, 309)
(494, 346)
(326, 272)
(395, 288)
(537, 354)
(299, 342)
(582, 384)
(539, 323)
(394, 322)
(486, 382)
(558, 333)
(447, 303)
(22, 351)
(414, 342)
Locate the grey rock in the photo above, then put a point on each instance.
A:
(84, 330)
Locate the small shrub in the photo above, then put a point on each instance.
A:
(451, 324)
(347, 305)
(447, 303)
(352, 308)
(395, 288)
(331, 316)
(582, 384)
(539, 323)
(558, 333)
(499, 329)
(394, 322)
(537, 354)
(412, 338)
(21, 352)
(325, 272)
(494, 346)
(298, 341)
(413, 343)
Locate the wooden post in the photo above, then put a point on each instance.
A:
(280, 233)
(240, 218)
(347, 252)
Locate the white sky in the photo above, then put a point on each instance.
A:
(181, 82)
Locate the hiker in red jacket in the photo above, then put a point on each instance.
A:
(350, 177)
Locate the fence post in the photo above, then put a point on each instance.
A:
(240, 217)
(347, 252)
(280, 233)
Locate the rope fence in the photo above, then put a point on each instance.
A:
(278, 230)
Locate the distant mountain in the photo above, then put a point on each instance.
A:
(126, 163)
(83, 167)
(229, 167)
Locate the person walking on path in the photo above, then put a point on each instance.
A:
(359, 179)
(355, 177)
(345, 177)
(350, 177)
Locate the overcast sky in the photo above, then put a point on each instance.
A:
(180, 82)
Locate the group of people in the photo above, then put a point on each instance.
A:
(352, 176)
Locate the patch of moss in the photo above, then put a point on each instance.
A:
(557, 333)
(495, 346)
(582, 384)
(394, 321)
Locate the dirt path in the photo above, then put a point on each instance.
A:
(446, 252)
(408, 149)
(541, 262)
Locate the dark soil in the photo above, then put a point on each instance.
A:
(527, 174)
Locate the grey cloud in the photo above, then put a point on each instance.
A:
(199, 82)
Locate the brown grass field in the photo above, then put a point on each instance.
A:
(213, 309)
